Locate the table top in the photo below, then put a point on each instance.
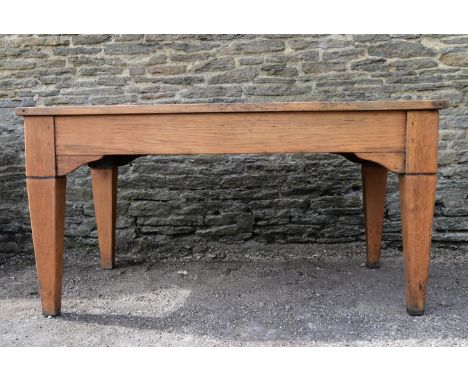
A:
(232, 108)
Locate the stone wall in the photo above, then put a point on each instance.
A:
(174, 203)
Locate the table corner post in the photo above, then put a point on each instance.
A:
(417, 198)
(46, 195)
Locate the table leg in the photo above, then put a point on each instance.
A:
(417, 194)
(374, 185)
(105, 205)
(47, 210)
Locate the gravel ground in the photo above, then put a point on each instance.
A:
(246, 295)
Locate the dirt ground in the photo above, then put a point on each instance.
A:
(246, 295)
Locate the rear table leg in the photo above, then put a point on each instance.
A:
(374, 179)
(105, 204)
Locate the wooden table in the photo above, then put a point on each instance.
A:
(400, 136)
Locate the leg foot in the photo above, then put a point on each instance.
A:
(105, 205)
(47, 210)
(417, 194)
(414, 312)
(374, 185)
(375, 265)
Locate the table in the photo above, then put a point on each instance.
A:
(397, 136)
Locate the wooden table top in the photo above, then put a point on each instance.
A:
(232, 108)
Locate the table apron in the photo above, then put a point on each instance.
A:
(231, 133)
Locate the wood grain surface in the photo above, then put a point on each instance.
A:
(422, 136)
(104, 182)
(232, 108)
(374, 186)
(417, 196)
(231, 133)
(39, 146)
(47, 211)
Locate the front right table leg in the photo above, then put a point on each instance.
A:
(417, 197)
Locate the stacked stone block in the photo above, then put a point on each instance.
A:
(174, 202)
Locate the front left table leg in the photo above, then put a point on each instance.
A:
(47, 210)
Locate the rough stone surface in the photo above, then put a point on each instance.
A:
(174, 202)
(249, 295)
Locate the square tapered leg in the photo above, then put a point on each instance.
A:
(374, 185)
(47, 210)
(417, 194)
(105, 205)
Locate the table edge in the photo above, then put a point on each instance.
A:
(231, 108)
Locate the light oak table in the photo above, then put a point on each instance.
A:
(399, 136)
